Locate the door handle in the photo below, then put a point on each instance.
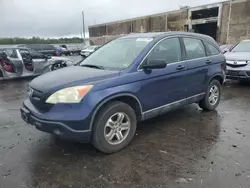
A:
(208, 61)
(180, 67)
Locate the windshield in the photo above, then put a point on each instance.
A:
(242, 47)
(118, 54)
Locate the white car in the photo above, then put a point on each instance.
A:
(89, 50)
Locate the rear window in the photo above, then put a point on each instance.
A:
(48, 47)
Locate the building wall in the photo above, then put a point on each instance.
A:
(239, 27)
(224, 24)
(240, 22)
(177, 21)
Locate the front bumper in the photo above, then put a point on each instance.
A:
(58, 128)
(237, 74)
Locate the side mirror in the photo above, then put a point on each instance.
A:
(155, 64)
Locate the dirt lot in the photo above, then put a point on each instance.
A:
(185, 148)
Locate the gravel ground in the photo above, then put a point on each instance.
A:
(185, 148)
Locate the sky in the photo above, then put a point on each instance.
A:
(62, 18)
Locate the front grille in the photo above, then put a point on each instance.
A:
(232, 65)
(38, 100)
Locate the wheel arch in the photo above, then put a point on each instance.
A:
(218, 77)
(127, 98)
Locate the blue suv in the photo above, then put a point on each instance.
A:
(130, 79)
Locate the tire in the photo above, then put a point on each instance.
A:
(113, 110)
(207, 104)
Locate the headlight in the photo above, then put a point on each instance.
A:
(69, 95)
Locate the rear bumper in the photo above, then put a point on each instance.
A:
(58, 128)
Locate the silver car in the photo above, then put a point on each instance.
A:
(23, 62)
(89, 50)
(238, 61)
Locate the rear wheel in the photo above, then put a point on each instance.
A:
(212, 97)
(114, 127)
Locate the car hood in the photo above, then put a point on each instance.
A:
(70, 76)
(240, 56)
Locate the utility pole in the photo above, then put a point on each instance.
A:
(229, 20)
(83, 28)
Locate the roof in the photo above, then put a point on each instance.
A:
(247, 40)
(144, 35)
(165, 34)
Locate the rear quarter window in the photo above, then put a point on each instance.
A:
(212, 50)
(194, 48)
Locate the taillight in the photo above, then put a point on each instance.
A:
(7, 66)
(57, 53)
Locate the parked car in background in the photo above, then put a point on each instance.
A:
(76, 50)
(226, 48)
(130, 79)
(65, 50)
(46, 49)
(88, 50)
(238, 61)
(62, 49)
(22, 62)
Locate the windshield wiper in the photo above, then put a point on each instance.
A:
(93, 66)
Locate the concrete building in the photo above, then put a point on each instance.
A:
(227, 22)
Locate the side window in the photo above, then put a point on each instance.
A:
(11, 53)
(34, 47)
(48, 47)
(24, 53)
(169, 50)
(194, 48)
(212, 49)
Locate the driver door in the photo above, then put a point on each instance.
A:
(164, 89)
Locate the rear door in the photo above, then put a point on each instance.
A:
(198, 66)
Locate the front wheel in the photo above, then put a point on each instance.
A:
(212, 97)
(114, 127)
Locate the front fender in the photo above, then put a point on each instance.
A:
(97, 99)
